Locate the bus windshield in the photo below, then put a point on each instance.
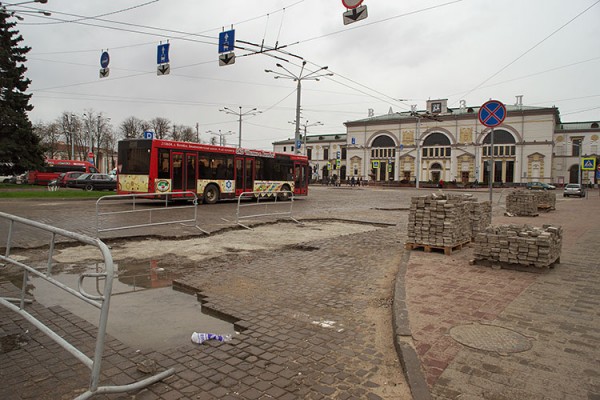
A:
(134, 156)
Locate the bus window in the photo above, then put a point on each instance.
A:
(177, 171)
(203, 167)
(164, 170)
(259, 169)
(190, 172)
(239, 173)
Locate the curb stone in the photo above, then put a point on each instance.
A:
(403, 338)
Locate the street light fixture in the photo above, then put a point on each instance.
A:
(314, 75)
(307, 125)
(240, 114)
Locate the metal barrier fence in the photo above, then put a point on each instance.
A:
(275, 199)
(101, 302)
(148, 200)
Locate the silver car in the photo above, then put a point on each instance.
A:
(574, 189)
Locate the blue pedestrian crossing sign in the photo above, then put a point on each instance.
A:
(588, 164)
(226, 41)
(162, 53)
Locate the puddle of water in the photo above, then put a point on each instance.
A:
(145, 312)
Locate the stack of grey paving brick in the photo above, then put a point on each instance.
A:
(521, 245)
(522, 203)
(443, 220)
(545, 199)
(528, 203)
(480, 214)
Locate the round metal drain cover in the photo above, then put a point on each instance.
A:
(490, 338)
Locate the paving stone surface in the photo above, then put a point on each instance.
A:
(276, 296)
(557, 311)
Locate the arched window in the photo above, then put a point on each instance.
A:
(504, 144)
(383, 147)
(436, 166)
(436, 139)
(500, 137)
(383, 141)
(436, 145)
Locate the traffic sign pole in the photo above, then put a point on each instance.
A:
(492, 114)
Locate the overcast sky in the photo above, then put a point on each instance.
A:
(404, 53)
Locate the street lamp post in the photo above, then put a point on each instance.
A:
(14, 13)
(240, 114)
(418, 117)
(307, 125)
(314, 75)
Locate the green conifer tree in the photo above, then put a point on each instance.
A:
(20, 148)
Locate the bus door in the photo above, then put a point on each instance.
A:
(184, 171)
(244, 175)
(300, 178)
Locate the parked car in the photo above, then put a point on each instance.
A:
(8, 179)
(574, 189)
(113, 174)
(65, 178)
(94, 182)
(539, 186)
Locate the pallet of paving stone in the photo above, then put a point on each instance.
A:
(428, 248)
(538, 269)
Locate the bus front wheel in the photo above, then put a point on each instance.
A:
(285, 194)
(211, 194)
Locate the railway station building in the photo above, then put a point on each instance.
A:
(447, 144)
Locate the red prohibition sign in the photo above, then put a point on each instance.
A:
(492, 113)
(351, 4)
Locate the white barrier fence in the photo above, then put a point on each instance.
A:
(143, 208)
(100, 301)
(271, 204)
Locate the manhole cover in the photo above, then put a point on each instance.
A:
(490, 338)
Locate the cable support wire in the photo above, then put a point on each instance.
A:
(531, 48)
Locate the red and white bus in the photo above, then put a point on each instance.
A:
(54, 168)
(212, 172)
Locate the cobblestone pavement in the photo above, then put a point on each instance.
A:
(557, 311)
(346, 284)
(315, 319)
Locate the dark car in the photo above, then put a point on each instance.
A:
(540, 186)
(94, 182)
(66, 178)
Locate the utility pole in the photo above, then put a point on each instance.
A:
(221, 136)
(240, 114)
(418, 117)
(307, 125)
(298, 78)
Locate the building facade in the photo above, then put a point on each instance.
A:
(326, 155)
(575, 141)
(446, 144)
(450, 144)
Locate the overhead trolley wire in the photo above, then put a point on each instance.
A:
(531, 48)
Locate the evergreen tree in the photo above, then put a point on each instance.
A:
(20, 148)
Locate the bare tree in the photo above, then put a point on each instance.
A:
(160, 126)
(132, 128)
(71, 131)
(110, 144)
(49, 135)
(188, 134)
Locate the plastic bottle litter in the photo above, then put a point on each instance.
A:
(203, 337)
